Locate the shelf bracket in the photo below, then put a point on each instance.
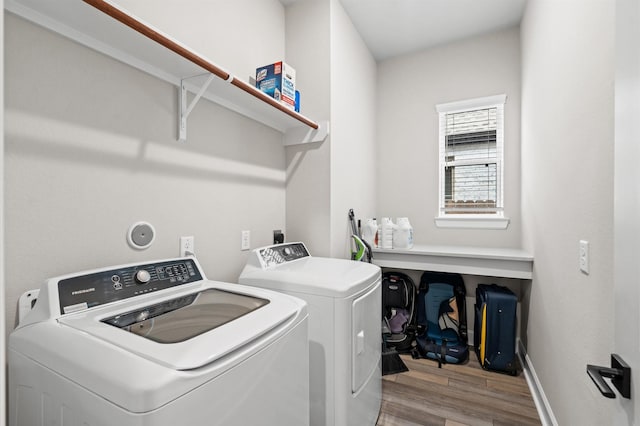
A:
(185, 108)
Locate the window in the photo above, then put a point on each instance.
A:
(471, 159)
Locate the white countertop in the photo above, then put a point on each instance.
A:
(486, 261)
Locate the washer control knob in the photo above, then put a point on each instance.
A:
(142, 276)
(287, 251)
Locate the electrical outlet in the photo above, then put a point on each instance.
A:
(187, 246)
(245, 243)
(584, 256)
(278, 236)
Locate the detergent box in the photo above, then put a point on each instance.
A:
(278, 80)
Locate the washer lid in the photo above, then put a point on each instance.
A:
(314, 275)
(185, 317)
(211, 320)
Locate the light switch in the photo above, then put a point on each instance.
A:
(584, 256)
(245, 242)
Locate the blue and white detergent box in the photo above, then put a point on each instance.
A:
(278, 80)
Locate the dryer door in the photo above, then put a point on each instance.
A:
(366, 336)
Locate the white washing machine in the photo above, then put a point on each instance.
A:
(344, 301)
(157, 344)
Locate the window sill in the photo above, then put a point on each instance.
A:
(473, 222)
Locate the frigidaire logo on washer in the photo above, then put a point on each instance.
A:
(86, 290)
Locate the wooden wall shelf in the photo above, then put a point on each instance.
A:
(102, 26)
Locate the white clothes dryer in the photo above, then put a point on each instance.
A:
(158, 344)
(344, 301)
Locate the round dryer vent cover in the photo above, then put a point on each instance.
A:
(141, 235)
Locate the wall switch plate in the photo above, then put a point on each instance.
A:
(245, 243)
(584, 256)
(187, 246)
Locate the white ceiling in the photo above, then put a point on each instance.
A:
(395, 27)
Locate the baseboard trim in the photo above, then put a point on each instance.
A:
(539, 398)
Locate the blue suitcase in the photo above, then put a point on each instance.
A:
(495, 328)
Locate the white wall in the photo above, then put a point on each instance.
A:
(91, 149)
(3, 377)
(627, 199)
(337, 79)
(567, 183)
(238, 36)
(353, 122)
(408, 89)
(308, 166)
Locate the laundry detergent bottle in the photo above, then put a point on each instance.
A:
(403, 234)
(370, 231)
(385, 233)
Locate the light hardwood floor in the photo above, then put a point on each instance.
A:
(455, 395)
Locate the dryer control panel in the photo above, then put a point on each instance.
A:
(87, 291)
(281, 253)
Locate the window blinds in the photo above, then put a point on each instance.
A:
(471, 160)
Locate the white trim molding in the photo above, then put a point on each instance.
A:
(472, 222)
(539, 398)
(472, 103)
